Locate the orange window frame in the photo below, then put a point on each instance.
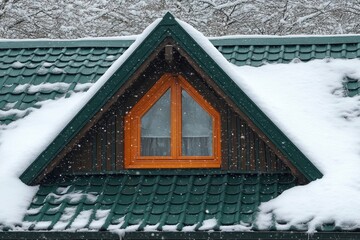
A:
(133, 159)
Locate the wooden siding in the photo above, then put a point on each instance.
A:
(102, 148)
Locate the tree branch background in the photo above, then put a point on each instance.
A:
(67, 19)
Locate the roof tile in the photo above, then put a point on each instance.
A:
(167, 200)
(42, 65)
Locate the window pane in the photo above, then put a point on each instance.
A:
(196, 128)
(155, 128)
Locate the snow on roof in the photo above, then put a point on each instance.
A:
(22, 141)
(305, 100)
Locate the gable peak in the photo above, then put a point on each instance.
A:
(168, 19)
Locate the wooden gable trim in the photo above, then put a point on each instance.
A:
(200, 71)
(128, 83)
(94, 120)
(168, 27)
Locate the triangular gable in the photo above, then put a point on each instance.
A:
(169, 27)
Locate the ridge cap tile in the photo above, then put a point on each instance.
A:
(182, 180)
(215, 190)
(179, 199)
(133, 180)
(85, 51)
(213, 199)
(128, 190)
(217, 180)
(160, 199)
(28, 51)
(115, 181)
(55, 51)
(149, 181)
(143, 199)
(91, 64)
(121, 210)
(166, 181)
(180, 189)
(145, 190)
(200, 181)
(89, 70)
(251, 180)
(111, 190)
(7, 59)
(162, 190)
(15, 52)
(108, 200)
(198, 190)
(233, 189)
(71, 50)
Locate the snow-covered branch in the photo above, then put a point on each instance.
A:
(73, 19)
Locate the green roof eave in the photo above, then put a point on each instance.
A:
(216, 41)
(49, 43)
(169, 27)
(178, 235)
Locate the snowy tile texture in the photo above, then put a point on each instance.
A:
(148, 202)
(35, 73)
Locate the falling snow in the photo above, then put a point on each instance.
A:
(304, 100)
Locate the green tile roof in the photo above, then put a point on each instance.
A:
(31, 72)
(40, 71)
(155, 202)
(257, 51)
(352, 86)
(34, 71)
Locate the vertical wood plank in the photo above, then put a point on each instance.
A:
(262, 157)
(113, 142)
(98, 133)
(268, 159)
(234, 153)
(238, 142)
(82, 161)
(94, 150)
(230, 134)
(243, 144)
(225, 160)
(248, 147)
(273, 161)
(252, 151)
(256, 153)
(119, 139)
(103, 145)
(108, 142)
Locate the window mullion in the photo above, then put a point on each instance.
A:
(176, 85)
(179, 119)
(174, 119)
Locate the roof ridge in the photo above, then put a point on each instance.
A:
(284, 40)
(68, 43)
(126, 41)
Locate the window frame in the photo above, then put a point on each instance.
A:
(133, 159)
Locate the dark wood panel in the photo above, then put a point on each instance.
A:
(102, 148)
(119, 140)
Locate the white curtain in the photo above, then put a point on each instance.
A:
(155, 128)
(196, 128)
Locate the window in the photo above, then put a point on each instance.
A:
(172, 126)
